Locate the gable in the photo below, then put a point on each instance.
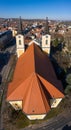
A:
(33, 41)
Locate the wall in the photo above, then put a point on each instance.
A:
(46, 47)
(17, 105)
(14, 33)
(34, 117)
(20, 48)
(54, 102)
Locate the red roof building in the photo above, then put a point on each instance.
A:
(35, 88)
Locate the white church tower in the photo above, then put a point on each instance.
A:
(46, 39)
(20, 47)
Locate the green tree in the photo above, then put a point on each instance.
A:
(57, 28)
(68, 88)
(55, 42)
(68, 79)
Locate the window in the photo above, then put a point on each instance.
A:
(46, 36)
(19, 42)
(46, 42)
(16, 106)
(18, 36)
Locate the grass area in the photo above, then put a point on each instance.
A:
(55, 111)
(21, 121)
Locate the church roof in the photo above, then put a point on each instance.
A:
(34, 82)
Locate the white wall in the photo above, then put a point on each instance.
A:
(34, 117)
(33, 41)
(46, 47)
(54, 102)
(14, 33)
(20, 48)
(17, 105)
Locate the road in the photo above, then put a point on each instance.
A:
(56, 123)
(6, 68)
(4, 73)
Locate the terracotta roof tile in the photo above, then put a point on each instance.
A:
(36, 101)
(34, 82)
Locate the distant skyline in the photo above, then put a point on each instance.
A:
(53, 9)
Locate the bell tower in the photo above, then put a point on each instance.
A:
(47, 26)
(20, 47)
(46, 38)
(20, 31)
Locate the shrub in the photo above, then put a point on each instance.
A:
(68, 89)
(68, 79)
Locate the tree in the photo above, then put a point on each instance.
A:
(57, 28)
(55, 42)
(68, 79)
(68, 89)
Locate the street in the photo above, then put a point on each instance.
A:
(4, 73)
(56, 123)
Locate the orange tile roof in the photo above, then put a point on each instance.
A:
(34, 82)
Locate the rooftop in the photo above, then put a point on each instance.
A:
(34, 82)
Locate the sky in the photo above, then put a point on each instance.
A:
(53, 9)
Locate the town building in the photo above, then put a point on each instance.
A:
(5, 38)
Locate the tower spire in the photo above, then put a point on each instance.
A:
(20, 26)
(47, 26)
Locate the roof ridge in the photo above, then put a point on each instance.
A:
(29, 89)
(33, 44)
(20, 84)
(41, 92)
(54, 87)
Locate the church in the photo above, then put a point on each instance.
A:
(35, 88)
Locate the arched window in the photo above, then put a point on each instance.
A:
(46, 36)
(19, 42)
(46, 41)
(18, 36)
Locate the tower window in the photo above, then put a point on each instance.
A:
(19, 42)
(46, 36)
(18, 36)
(46, 42)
